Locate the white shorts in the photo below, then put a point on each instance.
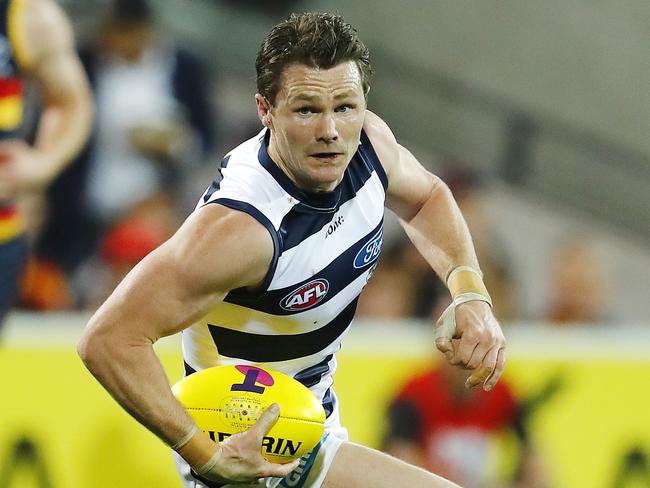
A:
(310, 473)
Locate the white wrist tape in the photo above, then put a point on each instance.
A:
(185, 439)
(209, 465)
(447, 327)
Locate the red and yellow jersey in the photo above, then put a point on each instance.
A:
(12, 60)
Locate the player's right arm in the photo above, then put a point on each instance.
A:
(216, 250)
(45, 51)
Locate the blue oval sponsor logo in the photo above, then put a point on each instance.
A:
(369, 251)
(306, 296)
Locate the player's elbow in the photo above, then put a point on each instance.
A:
(86, 348)
(93, 346)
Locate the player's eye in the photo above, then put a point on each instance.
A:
(305, 110)
(344, 108)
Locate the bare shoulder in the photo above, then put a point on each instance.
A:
(47, 31)
(222, 248)
(382, 139)
(409, 183)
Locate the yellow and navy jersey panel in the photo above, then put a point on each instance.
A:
(11, 60)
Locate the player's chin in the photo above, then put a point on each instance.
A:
(326, 179)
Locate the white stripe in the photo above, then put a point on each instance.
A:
(246, 180)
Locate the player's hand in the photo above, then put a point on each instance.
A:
(22, 168)
(159, 142)
(239, 458)
(476, 344)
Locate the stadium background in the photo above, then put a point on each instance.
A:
(551, 102)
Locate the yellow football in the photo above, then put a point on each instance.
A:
(224, 400)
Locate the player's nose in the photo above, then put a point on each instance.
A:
(326, 129)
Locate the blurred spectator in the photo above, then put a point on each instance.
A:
(153, 118)
(438, 424)
(577, 285)
(391, 291)
(44, 287)
(121, 248)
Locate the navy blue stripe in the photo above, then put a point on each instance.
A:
(328, 403)
(302, 222)
(216, 184)
(368, 153)
(270, 348)
(188, 369)
(298, 477)
(312, 375)
(262, 219)
(339, 274)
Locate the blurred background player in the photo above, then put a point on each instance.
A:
(36, 42)
(154, 122)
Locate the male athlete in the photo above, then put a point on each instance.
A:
(35, 42)
(254, 275)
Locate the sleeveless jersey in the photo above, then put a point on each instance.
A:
(11, 99)
(325, 250)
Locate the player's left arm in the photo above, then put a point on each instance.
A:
(469, 335)
(49, 57)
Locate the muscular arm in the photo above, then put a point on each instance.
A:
(435, 225)
(214, 251)
(49, 58)
(423, 203)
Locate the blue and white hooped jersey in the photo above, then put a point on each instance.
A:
(325, 250)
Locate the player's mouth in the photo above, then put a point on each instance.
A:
(327, 157)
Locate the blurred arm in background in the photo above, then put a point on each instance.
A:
(48, 56)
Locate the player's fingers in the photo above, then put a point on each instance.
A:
(464, 350)
(478, 356)
(278, 470)
(484, 370)
(498, 370)
(444, 331)
(445, 347)
(477, 377)
(266, 421)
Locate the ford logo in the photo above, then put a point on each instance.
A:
(369, 251)
(306, 296)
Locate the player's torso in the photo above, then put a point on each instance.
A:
(11, 101)
(326, 250)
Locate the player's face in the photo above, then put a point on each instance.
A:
(316, 123)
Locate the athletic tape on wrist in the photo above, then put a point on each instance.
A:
(182, 442)
(465, 279)
(447, 327)
(458, 269)
(206, 468)
(209, 465)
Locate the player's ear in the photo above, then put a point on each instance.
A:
(263, 110)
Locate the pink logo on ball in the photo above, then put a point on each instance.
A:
(253, 376)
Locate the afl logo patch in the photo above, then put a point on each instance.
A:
(306, 296)
(369, 251)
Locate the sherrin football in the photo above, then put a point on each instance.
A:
(224, 400)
